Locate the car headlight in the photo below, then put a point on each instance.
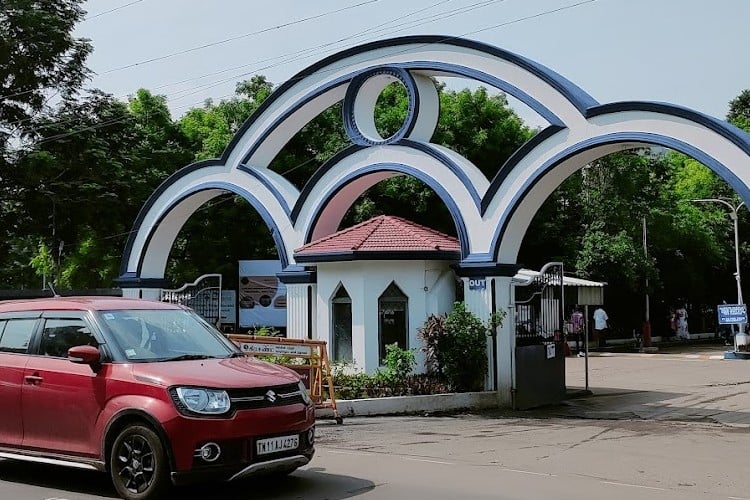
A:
(204, 401)
(305, 395)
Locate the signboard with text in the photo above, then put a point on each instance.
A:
(477, 284)
(732, 313)
(262, 297)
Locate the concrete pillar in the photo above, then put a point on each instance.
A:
(487, 288)
(297, 311)
(478, 300)
(301, 295)
(506, 341)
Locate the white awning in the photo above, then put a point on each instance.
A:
(525, 275)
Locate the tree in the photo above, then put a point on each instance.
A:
(739, 110)
(39, 57)
(80, 187)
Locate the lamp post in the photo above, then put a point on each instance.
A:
(732, 215)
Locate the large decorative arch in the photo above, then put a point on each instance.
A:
(491, 215)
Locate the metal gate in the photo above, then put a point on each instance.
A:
(203, 296)
(539, 357)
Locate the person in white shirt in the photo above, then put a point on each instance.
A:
(600, 325)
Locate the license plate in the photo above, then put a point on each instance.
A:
(277, 444)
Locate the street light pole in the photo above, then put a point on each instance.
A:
(732, 215)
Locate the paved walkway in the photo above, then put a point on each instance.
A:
(682, 383)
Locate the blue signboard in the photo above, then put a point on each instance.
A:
(477, 283)
(732, 313)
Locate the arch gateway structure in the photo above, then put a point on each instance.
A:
(491, 215)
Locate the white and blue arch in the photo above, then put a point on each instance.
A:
(491, 215)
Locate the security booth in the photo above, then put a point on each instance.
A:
(541, 303)
(538, 305)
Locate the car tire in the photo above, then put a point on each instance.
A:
(138, 464)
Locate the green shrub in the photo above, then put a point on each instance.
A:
(398, 365)
(463, 347)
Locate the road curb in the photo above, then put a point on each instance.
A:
(404, 405)
(656, 355)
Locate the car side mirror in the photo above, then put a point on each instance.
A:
(85, 355)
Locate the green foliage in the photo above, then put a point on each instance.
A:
(460, 345)
(39, 56)
(352, 384)
(399, 363)
(43, 262)
(739, 110)
(264, 331)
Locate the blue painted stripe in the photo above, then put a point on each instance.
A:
(403, 169)
(418, 146)
(616, 138)
(254, 202)
(168, 182)
(446, 160)
(514, 160)
(735, 135)
(571, 92)
(489, 79)
(350, 120)
(316, 176)
(268, 185)
(276, 123)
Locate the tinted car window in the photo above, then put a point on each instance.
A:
(17, 334)
(59, 335)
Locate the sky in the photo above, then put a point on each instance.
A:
(685, 52)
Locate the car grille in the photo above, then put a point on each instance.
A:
(265, 397)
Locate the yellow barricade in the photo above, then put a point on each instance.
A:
(309, 358)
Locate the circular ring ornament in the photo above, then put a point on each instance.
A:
(361, 97)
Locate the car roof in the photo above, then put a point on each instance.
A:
(99, 303)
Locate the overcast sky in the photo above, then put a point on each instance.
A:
(686, 52)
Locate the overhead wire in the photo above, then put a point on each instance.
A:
(239, 37)
(445, 39)
(300, 54)
(212, 44)
(88, 18)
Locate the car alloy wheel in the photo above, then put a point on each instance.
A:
(138, 464)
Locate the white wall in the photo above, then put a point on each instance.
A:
(428, 285)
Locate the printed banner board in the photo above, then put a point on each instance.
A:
(732, 313)
(272, 349)
(262, 297)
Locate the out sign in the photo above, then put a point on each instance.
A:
(477, 284)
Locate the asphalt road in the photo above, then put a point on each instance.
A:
(680, 446)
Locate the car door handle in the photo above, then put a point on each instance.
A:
(33, 379)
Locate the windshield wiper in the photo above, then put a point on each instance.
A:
(237, 355)
(184, 357)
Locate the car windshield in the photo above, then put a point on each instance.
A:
(149, 335)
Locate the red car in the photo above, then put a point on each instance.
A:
(146, 391)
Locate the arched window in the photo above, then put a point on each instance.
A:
(341, 308)
(393, 313)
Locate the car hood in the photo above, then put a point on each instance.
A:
(219, 373)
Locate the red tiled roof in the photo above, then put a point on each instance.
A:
(386, 234)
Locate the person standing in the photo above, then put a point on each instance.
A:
(577, 327)
(681, 321)
(600, 325)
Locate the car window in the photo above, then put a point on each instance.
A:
(158, 334)
(59, 335)
(16, 335)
